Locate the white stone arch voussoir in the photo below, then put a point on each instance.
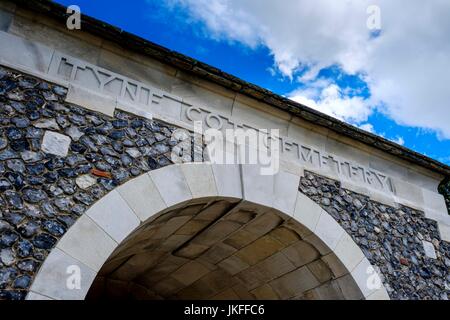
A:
(87, 245)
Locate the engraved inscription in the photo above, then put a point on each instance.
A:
(298, 151)
(95, 78)
(98, 79)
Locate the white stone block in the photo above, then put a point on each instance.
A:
(7, 257)
(54, 278)
(228, 180)
(380, 294)
(21, 52)
(421, 177)
(348, 252)
(343, 147)
(292, 167)
(91, 100)
(354, 186)
(171, 184)
(285, 192)
(258, 119)
(37, 297)
(200, 179)
(389, 165)
(437, 216)
(257, 188)
(136, 66)
(307, 212)
(85, 181)
(114, 216)
(49, 124)
(306, 135)
(328, 230)
(88, 243)
(434, 201)
(74, 133)
(443, 222)
(444, 230)
(55, 143)
(168, 108)
(142, 196)
(198, 92)
(428, 247)
(408, 193)
(136, 109)
(221, 151)
(45, 31)
(367, 278)
(387, 199)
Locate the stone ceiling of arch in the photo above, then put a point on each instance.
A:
(219, 250)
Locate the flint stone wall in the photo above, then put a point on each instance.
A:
(404, 245)
(56, 160)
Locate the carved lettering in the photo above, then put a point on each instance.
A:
(85, 74)
(306, 154)
(190, 111)
(74, 70)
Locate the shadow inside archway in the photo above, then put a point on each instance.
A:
(222, 249)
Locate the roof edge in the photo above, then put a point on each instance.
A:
(134, 43)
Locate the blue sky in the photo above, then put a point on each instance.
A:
(245, 41)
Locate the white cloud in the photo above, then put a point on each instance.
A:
(370, 128)
(399, 140)
(367, 127)
(406, 66)
(332, 100)
(444, 160)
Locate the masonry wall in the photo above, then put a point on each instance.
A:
(56, 160)
(43, 189)
(400, 241)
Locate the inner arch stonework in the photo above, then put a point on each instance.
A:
(220, 249)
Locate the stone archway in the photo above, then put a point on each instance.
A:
(214, 223)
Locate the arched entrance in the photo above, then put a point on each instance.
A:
(200, 231)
